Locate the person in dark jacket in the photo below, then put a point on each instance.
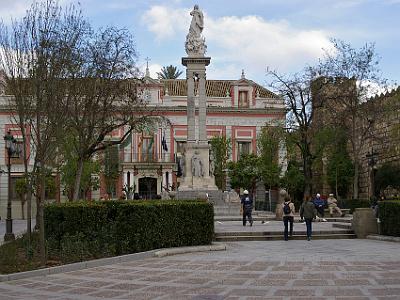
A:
(320, 206)
(247, 205)
(308, 212)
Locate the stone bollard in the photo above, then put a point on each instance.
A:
(364, 222)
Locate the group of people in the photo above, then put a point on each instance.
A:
(309, 211)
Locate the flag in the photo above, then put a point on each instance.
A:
(127, 140)
(164, 144)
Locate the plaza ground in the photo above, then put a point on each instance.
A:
(296, 269)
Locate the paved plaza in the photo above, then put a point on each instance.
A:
(320, 269)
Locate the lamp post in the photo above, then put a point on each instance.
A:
(11, 149)
(372, 161)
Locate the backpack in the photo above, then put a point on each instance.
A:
(286, 208)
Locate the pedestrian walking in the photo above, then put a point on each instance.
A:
(247, 207)
(308, 212)
(320, 206)
(288, 217)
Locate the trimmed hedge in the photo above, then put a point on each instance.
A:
(352, 204)
(83, 230)
(389, 212)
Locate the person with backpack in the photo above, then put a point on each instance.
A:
(247, 207)
(308, 212)
(288, 217)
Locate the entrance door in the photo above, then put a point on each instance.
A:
(148, 188)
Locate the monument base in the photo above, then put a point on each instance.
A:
(214, 196)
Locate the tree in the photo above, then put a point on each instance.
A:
(297, 93)
(169, 72)
(68, 170)
(111, 169)
(34, 54)
(21, 188)
(268, 144)
(387, 175)
(357, 77)
(221, 150)
(340, 169)
(244, 173)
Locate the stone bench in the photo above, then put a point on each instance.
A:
(344, 210)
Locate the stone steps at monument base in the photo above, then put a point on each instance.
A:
(270, 217)
(279, 233)
(277, 237)
(343, 226)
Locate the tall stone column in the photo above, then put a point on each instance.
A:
(202, 107)
(197, 177)
(191, 109)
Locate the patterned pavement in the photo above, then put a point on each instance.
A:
(320, 269)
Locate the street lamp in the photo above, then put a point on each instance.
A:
(11, 149)
(372, 161)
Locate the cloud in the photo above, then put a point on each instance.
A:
(14, 9)
(166, 22)
(153, 68)
(249, 42)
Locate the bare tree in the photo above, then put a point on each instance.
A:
(296, 90)
(353, 77)
(34, 54)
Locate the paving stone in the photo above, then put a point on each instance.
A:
(342, 292)
(348, 282)
(310, 282)
(294, 292)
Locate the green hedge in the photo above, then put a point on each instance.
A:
(352, 204)
(83, 230)
(389, 212)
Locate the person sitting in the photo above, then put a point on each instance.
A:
(332, 205)
(320, 206)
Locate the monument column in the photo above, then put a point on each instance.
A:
(196, 176)
(202, 108)
(191, 110)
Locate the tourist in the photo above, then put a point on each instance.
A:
(332, 205)
(288, 216)
(247, 206)
(308, 212)
(320, 206)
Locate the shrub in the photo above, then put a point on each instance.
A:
(389, 212)
(352, 204)
(83, 230)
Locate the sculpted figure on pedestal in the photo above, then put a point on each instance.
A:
(197, 165)
(195, 43)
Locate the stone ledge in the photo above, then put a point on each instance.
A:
(385, 238)
(183, 250)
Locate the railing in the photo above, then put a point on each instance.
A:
(145, 157)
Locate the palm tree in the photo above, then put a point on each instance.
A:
(169, 72)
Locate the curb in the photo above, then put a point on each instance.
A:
(183, 250)
(385, 238)
(109, 260)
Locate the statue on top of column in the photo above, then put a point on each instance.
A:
(195, 44)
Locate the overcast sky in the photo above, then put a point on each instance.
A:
(251, 34)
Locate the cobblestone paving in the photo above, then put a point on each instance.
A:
(320, 269)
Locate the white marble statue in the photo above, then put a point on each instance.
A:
(195, 43)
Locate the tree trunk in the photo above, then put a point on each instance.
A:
(77, 184)
(42, 243)
(22, 207)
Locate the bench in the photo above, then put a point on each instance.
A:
(345, 211)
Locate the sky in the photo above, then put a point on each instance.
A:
(250, 35)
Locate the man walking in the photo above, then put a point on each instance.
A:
(288, 217)
(308, 212)
(247, 205)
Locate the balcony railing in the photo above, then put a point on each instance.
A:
(140, 157)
